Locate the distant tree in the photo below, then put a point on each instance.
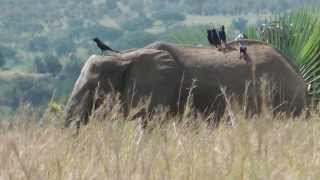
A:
(52, 64)
(48, 64)
(2, 60)
(105, 33)
(169, 16)
(135, 40)
(40, 66)
(32, 27)
(64, 45)
(111, 4)
(38, 44)
(39, 93)
(72, 68)
(8, 53)
(137, 6)
(75, 22)
(196, 7)
(210, 8)
(239, 23)
(140, 22)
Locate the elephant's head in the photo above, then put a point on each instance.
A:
(142, 72)
(107, 72)
(103, 72)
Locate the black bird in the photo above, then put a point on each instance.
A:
(213, 37)
(209, 36)
(222, 35)
(103, 47)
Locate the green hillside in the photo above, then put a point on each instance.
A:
(54, 38)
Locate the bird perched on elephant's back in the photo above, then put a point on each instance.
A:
(167, 71)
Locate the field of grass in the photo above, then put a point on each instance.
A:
(260, 147)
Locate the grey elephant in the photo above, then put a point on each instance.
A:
(168, 72)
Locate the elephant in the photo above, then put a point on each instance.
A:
(169, 73)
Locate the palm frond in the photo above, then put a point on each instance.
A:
(297, 35)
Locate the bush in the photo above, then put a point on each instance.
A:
(39, 94)
(169, 16)
(49, 64)
(186, 35)
(72, 68)
(135, 40)
(63, 46)
(7, 52)
(111, 4)
(38, 44)
(2, 60)
(137, 23)
(239, 24)
(105, 33)
(40, 66)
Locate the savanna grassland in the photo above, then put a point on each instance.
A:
(42, 56)
(259, 147)
(51, 40)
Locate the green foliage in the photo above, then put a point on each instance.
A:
(7, 57)
(7, 52)
(297, 35)
(111, 4)
(138, 23)
(187, 35)
(29, 29)
(169, 16)
(252, 32)
(240, 24)
(135, 40)
(38, 94)
(17, 88)
(2, 60)
(63, 46)
(71, 68)
(55, 107)
(192, 35)
(38, 44)
(40, 66)
(48, 64)
(105, 33)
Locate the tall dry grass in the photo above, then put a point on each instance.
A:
(260, 147)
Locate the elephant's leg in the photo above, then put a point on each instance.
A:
(78, 111)
(86, 106)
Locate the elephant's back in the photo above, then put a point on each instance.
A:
(260, 58)
(258, 53)
(216, 68)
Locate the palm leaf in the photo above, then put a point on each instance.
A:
(296, 34)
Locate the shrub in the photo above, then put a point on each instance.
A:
(137, 23)
(39, 94)
(40, 66)
(239, 24)
(63, 46)
(49, 64)
(72, 68)
(169, 16)
(105, 33)
(38, 44)
(111, 4)
(135, 40)
(2, 60)
(7, 52)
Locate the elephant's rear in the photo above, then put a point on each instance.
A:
(213, 69)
